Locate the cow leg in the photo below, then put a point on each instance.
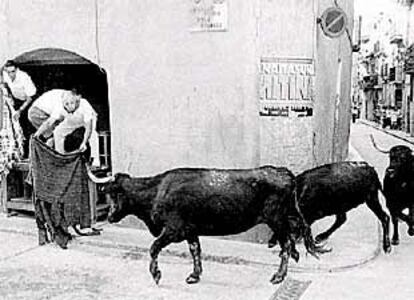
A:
(408, 219)
(166, 237)
(339, 221)
(195, 250)
(294, 253)
(411, 220)
(395, 236)
(285, 253)
(374, 205)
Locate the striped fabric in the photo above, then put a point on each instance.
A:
(11, 139)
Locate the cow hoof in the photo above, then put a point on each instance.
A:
(295, 255)
(192, 279)
(277, 278)
(395, 242)
(387, 248)
(62, 241)
(157, 276)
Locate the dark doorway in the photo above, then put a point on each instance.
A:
(52, 68)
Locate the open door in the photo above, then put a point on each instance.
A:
(52, 68)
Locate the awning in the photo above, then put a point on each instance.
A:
(50, 56)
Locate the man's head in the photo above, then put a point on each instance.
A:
(11, 68)
(71, 101)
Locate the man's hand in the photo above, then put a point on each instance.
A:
(36, 135)
(82, 147)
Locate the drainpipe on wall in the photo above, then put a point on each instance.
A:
(1, 102)
(336, 113)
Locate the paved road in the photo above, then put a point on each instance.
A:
(85, 271)
(360, 140)
(386, 277)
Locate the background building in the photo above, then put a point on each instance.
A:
(386, 65)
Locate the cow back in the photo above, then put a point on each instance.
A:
(222, 201)
(335, 188)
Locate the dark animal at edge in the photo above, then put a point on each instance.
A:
(183, 204)
(398, 186)
(333, 190)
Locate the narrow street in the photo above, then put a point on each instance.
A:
(360, 140)
(388, 276)
(83, 272)
(116, 267)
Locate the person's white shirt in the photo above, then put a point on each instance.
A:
(79, 118)
(22, 86)
(51, 102)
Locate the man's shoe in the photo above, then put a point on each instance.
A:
(62, 240)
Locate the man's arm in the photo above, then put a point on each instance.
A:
(26, 103)
(86, 137)
(48, 126)
(30, 90)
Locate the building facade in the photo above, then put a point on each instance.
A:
(197, 83)
(386, 68)
(204, 83)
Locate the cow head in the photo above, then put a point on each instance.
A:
(115, 196)
(114, 192)
(401, 157)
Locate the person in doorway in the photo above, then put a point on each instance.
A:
(21, 90)
(57, 114)
(65, 121)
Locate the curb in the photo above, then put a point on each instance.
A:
(379, 128)
(175, 251)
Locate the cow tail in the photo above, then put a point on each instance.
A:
(309, 241)
(305, 229)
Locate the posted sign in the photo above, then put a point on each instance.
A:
(209, 15)
(286, 87)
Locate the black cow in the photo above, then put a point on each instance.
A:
(399, 187)
(183, 204)
(333, 190)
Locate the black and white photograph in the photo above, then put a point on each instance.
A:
(206, 149)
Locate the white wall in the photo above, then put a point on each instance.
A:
(182, 98)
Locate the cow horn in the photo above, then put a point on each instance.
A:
(95, 179)
(376, 147)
